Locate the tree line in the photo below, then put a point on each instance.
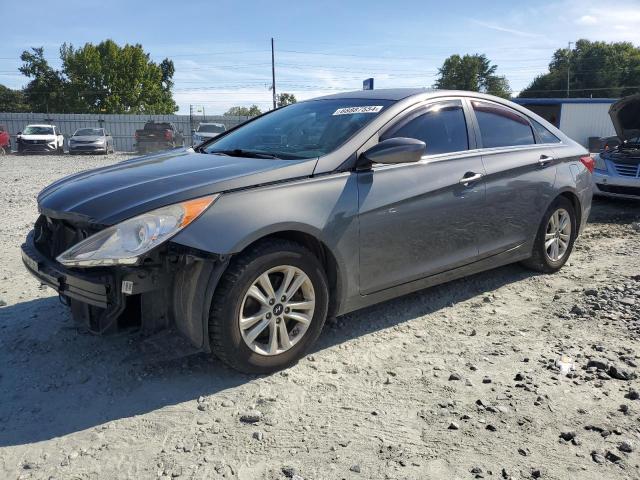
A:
(108, 78)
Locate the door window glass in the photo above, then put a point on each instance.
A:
(441, 126)
(501, 126)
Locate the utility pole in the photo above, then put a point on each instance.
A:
(568, 68)
(273, 74)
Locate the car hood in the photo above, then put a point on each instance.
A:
(108, 195)
(38, 137)
(625, 115)
(87, 138)
(207, 134)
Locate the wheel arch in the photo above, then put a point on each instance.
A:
(320, 250)
(577, 207)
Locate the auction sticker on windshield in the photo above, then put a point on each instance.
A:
(352, 110)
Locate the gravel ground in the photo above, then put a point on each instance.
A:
(458, 381)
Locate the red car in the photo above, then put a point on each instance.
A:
(5, 141)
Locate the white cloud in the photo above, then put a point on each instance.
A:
(587, 20)
(499, 28)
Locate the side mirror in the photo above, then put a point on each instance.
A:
(394, 150)
(19, 133)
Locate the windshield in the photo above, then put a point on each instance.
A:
(157, 126)
(211, 128)
(302, 130)
(31, 130)
(86, 132)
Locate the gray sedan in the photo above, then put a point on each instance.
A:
(90, 140)
(248, 243)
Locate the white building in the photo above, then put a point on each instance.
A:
(579, 118)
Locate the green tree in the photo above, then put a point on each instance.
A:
(12, 100)
(251, 111)
(283, 99)
(103, 78)
(597, 69)
(45, 92)
(474, 73)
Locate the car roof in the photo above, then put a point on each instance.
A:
(380, 94)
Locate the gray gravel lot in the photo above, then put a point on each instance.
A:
(458, 381)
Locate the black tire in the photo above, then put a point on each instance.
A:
(539, 260)
(224, 332)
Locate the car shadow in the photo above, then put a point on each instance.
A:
(56, 379)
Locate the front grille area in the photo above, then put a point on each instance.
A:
(627, 170)
(53, 236)
(621, 190)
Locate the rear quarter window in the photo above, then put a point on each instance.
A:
(544, 134)
(501, 126)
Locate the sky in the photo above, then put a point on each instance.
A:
(221, 49)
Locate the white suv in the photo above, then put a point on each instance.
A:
(40, 138)
(206, 131)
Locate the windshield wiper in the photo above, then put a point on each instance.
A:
(238, 152)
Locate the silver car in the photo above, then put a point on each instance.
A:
(91, 140)
(247, 243)
(617, 172)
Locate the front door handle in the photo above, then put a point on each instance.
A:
(545, 160)
(470, 178)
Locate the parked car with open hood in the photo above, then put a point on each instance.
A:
(250, 241)
(90, 140)
(40, 139)
(206, 131)
(617, 172)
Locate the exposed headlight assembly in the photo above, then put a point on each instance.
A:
(124, 243)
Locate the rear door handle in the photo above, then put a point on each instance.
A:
(469, 178)
(545, 160)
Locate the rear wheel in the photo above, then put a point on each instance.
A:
(555, 237)
(269, 307)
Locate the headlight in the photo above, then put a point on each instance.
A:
(600, 163)
(124, 243)
(100, 141)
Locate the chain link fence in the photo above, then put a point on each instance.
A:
(121, 126)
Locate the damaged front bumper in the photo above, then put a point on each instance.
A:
(173, 288)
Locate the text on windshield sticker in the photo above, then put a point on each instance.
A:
(352, 110)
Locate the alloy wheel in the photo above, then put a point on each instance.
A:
(277, 310)
(558, 235)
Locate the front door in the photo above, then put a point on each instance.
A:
(421, 218)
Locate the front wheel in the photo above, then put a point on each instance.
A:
(269, 307)
(555, 237)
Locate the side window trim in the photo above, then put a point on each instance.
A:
(477, 125)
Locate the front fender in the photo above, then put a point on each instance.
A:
(324, 207)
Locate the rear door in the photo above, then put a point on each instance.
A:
(520, 174)
(418, 219)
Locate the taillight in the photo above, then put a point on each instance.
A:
(168, 135)
(136, 135)
(589, 163)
